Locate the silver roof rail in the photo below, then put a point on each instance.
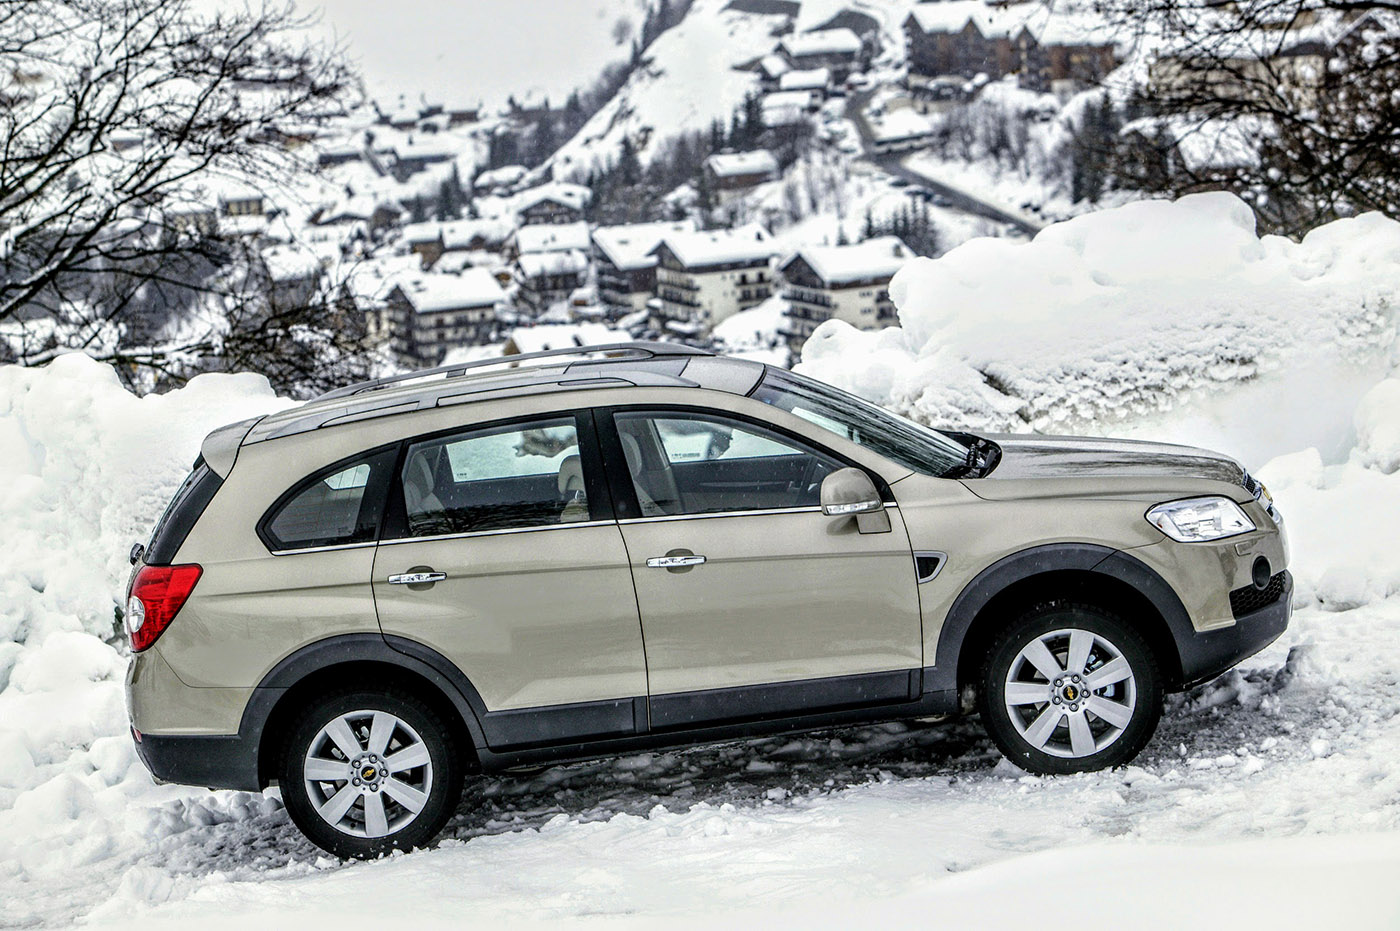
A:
(635, 350)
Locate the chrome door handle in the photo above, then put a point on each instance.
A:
(672, 562)
(417, 578)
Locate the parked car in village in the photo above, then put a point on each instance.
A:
(581, 553)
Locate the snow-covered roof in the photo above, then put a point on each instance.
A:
(427, 231)
(738, 164)
(629, 247)
(461, 234)
(901, 124)
(575, 196)
(552, 237)
(431, 293)
(431, 149)
(744, 244)
(535, 264)
(825, 42)
(564, 336)
(808, 80)
(773, 65)
(501, 177)
(290, 263)
(792, 103)
(880, 257)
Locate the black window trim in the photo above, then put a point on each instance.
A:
(624, 496)
(264, 525)
(393, 528)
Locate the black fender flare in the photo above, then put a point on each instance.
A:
(1051, 557)
(363, 647)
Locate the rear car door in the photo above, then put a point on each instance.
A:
(753, 602)
(500, 553)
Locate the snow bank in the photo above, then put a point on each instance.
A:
(1108, 318)
(85, 469)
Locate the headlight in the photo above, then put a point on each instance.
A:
(1198, 520)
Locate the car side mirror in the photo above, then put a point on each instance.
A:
(137, 551)
(850, 492)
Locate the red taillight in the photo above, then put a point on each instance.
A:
(157, 594)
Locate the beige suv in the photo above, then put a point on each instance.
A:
(368, 597)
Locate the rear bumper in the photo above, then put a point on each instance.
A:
(216, 762)
(1205, 655)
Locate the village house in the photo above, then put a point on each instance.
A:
(836, 49)
(770, 69)
(431, 314)
(732, 173)
(786, 108)
(548, 237)
(625, 265)
(554, 202)
(546, 278)
(416, 154)
(816, 82)
(1060, 52)
(704, 277)
(849, 283)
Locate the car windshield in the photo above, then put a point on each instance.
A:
(896, 438)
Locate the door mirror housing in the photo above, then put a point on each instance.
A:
(850, 492)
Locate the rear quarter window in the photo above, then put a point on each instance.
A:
(339, 505)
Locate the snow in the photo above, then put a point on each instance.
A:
(552, 237)
(565, 262)
(629, 246)
(825, 42)
(433, 293)
(1131, 312)
(874, 258)
(814, 79)
(706, 248)
(1269, 797)
(562, 336)
(734, 164)
(678, 89)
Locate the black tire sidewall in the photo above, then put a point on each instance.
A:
(437, 737)
(1042, 620)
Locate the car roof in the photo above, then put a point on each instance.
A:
(622, 365)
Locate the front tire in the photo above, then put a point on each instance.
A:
(364, 773)
(1070, 689)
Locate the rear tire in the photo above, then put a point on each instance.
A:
(1070, 688)
(364, 773)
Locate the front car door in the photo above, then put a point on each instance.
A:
(501, 554)
(753, 602)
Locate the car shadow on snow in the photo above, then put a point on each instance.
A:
(1237, 710)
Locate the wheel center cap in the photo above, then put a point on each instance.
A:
(368, 773)
(1070, 693)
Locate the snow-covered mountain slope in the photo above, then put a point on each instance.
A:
(688, 80)
(881, 822)
(1135, 312)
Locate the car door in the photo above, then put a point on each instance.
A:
(753, 602)
(501, 554)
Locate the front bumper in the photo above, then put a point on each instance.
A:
(1207, 654)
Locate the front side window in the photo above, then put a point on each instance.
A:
(337, 506)
(694, 463)
(898, 439)
(495, 478)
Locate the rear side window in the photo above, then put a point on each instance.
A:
(495, 478)
(338, 505)
(180, 516)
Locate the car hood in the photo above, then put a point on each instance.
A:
(1080, 457)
